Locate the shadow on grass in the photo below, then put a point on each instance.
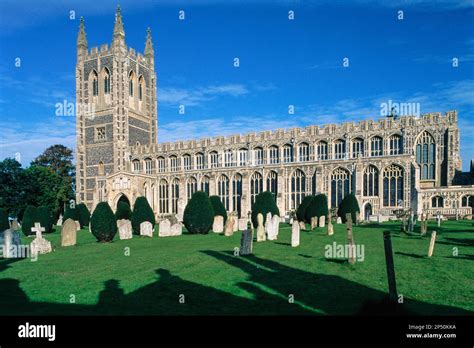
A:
(457, 241)
(410, 255)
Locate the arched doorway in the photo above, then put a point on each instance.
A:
(124, 199)
(367, 211)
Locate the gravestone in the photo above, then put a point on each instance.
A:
(229, 226)
(302, 225)
(276, 225)
(438, 219)
(411, 221)
(236, 224)
(124, 228)
(314, 222)
(146, 229)
(432, 244)
(176, 230)
(60, 221)
(218, 225)
(14, 225)
(260, 229)
(404, 223)
(338, 220)
(39, 245)
(295, 234)
(78, 225)
(392, 284)
(242, 224)
(11, 243)
(322, 221)
(330, 226)
(68, 233)
(423, 225)
(350, 239)
(246, 242)
(181, 207)
(164, 228)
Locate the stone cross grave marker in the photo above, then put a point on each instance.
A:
(350, 238)
(39, 245)
(432, 244)
(68, 233)
(260, 229)
(295, 234)
(246, 242)
(392, 284)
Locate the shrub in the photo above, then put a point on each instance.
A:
(199, 214)
(317, 208)
(71, 213)
(103, 223)
(4, 224)
(348, 205)
(141, 212)
(45, 219)
(264, 203)
(301, 211)
(218, 207)
(84, 214)
(30, 216)
(123, 211)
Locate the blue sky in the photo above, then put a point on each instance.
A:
(282, 62)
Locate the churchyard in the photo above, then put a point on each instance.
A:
(203, 274)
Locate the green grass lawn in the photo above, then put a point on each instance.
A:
(202, 270)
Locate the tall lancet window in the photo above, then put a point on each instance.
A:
(106, 81)
(95, 84)
(130, 84)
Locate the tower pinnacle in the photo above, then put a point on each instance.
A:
(118, 27)
(81, 36)
(149, 44)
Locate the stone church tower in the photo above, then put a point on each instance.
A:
(116, 108)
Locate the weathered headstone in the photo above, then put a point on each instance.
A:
(78, 225)
(314, 222)
(242, 224)
(181, 207)
(432, 243)
(11, 243)
(302, 225)
(423, 225)
(218, 225)
(176, 230)
(229, 226)
(411, 221)
(246, 242)
(60, 221)
(438, 219)
(39, 245)
(330, 226)
(338, 220)
(295, 234)
(164, 228)
(350, 239)
(269, 230)
(236, 224)
(404, 223)
(392, 284)
(146, 229)
(322, 221)
(68, 233)
(124, 228)
(14, 225)
(276, 225)
(260, 228)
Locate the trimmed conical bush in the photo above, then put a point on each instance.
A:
(45, 219)
(4, 224)
(348, 205)
(302, 208)
(264, 203)
(30, 216)
(218, 207)
(84, 214)
(141, 212)
(199, 214)
(103, 223)
(123, 211)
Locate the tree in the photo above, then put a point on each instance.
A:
(123, 211)
(199, 214)
(84, 214)
(141, 212)
(30, 216)
(103, 223)
(58, 158)
(71, 212)
(218, 207)
(4, 224)
(301, 211)
(12, 187)
(45, 219)
(264, 204)
(317, 208)
(348, 205)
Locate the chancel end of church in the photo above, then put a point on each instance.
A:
(393, 163)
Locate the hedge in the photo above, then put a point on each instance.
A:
(199, 214)
(141, 212)
(103, 223)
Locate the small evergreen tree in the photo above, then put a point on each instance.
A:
(4, 224)
(123, 211)
(218, 207)
(103, 223)
(84, 214)
(301, 211)
(322, 208)
(264, 203)
(71, 213)
(199, 214)
(311, 209)
(45, 219)
(348, 205)
(141, 212)
(30, 216)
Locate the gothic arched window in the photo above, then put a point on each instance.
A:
(357, 147)
(95, 83)
(272, 182)
(237, 193)
(303, 150)
(223, 190)
(392, 186)
(191, 187)
(174, 195)
(106, 76)
(437, 202)
(101, 168)
(141, 88)
(187, 162)
(256, 185)
(376, 146)
(161, 165)
(258, 155)
(287, 153)
(339, 149)
(274, 154)
(163, 196)
(205, 184)
(371, 181)
(131, 77)
(466, 201)
(395, 144)
(297, 188)
(322, 151)
(199, 160)
(425, 156)
(243, 154)
(340, 186)
(148, 166)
